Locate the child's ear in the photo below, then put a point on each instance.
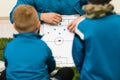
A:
(38, 24)
(38, 27)
(14, 26)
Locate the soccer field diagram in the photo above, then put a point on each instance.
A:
(58, 38)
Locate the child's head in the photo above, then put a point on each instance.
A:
(99, 1)
(26, 19)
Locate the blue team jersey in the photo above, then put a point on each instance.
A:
(63, 7)
(28, 58)
(97, 57)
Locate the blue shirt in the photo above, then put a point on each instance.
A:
(28, 58)
(63, 7)
(97, 57)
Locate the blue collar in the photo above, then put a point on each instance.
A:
(30, 35)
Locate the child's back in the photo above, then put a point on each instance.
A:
(26, 56)
(97, 56)
(103, 47)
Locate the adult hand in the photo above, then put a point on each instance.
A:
(72, 25)
(51, 18)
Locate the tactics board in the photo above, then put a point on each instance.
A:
(59, 39)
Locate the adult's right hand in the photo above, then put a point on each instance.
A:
(51, 18)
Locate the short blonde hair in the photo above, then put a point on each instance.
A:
(25, 18)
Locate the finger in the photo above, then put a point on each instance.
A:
(73, 30)
(54, 22)
(58, 15)
(58, 18)
(71, 27)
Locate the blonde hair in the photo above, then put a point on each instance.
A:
(25, 18)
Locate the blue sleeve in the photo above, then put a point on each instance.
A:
(78, 52)
(78, 6)
(51, 62)
(84, 2)
(20, 2)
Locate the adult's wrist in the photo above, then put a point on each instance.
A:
(42, 16)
